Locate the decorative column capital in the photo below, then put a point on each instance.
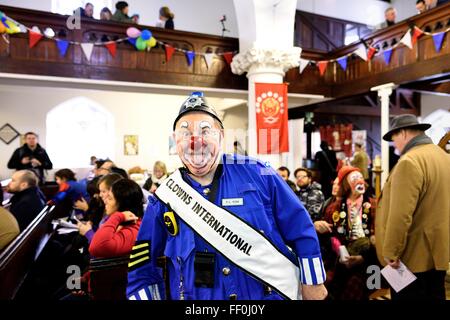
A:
(256, 58)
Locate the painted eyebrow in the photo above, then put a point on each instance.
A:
(184, 124)
(205, 124)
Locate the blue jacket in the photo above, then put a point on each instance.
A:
(269, 205)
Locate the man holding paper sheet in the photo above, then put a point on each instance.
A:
(229, 226)
(413, 214)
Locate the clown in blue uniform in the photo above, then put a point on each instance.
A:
(238, 187)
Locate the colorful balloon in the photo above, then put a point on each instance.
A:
(2, 28)
(151, 43)
(12, 27)
(146, 34)
(141, 44)
(133, 32)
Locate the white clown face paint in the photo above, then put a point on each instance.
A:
(198, 140)
(357, 183)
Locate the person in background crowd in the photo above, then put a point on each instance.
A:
(31, 156)
(352, 217)
(285, 173)
(158, 176)
(413, 214)
(103, 167)
(166, 17)
(87, 11)
(326, 163)
(120, 171)
(121, 14)
(421, 6)
(361, 160)
(135, 17)
(124, 209)
(390, 15)
(27, 200)
(309, 193)
(87, 228)
(105, 14)
(69, 188)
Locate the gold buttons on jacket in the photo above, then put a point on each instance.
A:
(226, 271)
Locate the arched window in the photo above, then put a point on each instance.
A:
(78, 129)
(67, 7)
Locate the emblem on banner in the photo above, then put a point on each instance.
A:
(271, 106)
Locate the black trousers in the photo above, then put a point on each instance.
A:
(429, 285)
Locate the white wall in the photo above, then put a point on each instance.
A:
(194, 15)
(370, 12)
(150, 116)
(432, 102)
(405, 9)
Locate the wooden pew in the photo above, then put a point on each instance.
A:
(18, 257)
(108, 277)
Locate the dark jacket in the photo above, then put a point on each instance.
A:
(169, 24)
(313, 199)
(39, 153)
(26, 205)
(119, 16)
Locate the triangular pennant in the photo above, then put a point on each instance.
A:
(228, 57)
(62, 45)
(416, 35)
(169, 52)
(112, 48)
(34, 38)
(303, 64)
(87, 49)
(190, 55)
(371, 52)
(322, 66)
(362, 53)
(387, 56)
(438, 38)
(406, 40)
(208, 59)
(343, 62)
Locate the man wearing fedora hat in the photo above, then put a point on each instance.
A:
(413, 214)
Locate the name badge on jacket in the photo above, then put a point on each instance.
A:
(232, 202)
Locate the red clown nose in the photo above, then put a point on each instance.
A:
(196, 142)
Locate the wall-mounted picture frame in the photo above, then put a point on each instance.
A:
(8, 133)
(131, 145)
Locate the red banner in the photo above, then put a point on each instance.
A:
(272, 117)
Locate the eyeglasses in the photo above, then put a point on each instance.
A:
(206, 133)
(301, 177)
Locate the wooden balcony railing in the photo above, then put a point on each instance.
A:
(128, 65)
(150, 67)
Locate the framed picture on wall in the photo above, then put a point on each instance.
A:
(8, 133)
(131, 145)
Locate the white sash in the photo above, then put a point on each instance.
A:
(231, 236)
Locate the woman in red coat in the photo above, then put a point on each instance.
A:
(124, 208)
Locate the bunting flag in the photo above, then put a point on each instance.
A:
(416, 35)
(169, 52)
(387, 55)
(190, 55)
(303, 64)
(343, 62)
(362, 53)
(62, 45)
(228, 57)
(371, 52)
(112, 48)
(406, 40)
(322, 66)
(208, 59)
(87, 49)
(438, 38)
(272, 117)
(34, 38)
